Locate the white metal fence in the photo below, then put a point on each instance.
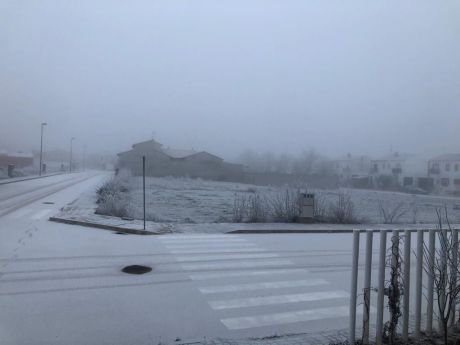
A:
(424, 262)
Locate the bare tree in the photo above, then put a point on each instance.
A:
(444, 271)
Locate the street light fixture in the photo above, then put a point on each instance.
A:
(41, 149)
(70, 163)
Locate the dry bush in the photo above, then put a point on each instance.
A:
(442, 266)
(285, 207)
(257, 209)
(113, 206)
(113, 197)
(391, 213)
(343, 210)
(239, 208)
(320, 210)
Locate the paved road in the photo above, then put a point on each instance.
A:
(62, 284)
(16, 195)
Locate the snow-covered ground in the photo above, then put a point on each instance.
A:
(183, 200)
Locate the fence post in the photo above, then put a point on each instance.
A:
(442, 288)
(367, 286)
(418, 283)
(406, 285)
(354, 286)
(381, 287)
(454, 270)
(430, 283)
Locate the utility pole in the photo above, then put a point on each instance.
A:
(70, 161)
(84, 157)
(143, 184)
(41, 150)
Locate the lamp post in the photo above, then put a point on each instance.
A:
(70, 162)
(41, 149)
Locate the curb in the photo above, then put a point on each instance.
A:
(102, 226)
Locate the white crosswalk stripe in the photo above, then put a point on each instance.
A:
(198, 236)
(263, 285)
(226, 257)
(277, 299)
(216, 250)
(248, 273)
(233, 246)
(246, 322)
(243, 264)
(205, 240)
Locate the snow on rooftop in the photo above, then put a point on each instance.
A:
(178, 153)
(21, 154)
(447, 157)
(16, 154)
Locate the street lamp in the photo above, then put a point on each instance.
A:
(41, 149)
(70, 163)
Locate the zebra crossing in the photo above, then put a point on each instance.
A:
(248, 286)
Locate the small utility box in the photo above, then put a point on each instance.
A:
(307, 207)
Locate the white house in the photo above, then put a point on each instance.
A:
(399, 170)
(445, 171)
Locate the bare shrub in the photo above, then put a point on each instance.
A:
(239, 208)
(253, 208)
(343, 210)
(320, 209)
(113, 197)
(445, 272)
(286, 207)
(391, 213)
(280, 206)
(257, 209)
(113, 206)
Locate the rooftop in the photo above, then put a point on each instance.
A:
(447, 157)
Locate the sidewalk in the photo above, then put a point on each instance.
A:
(25, 178)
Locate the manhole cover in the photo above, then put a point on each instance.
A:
(120, 233)
(49, 203)
(136, 269)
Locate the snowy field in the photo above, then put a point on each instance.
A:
(182, 200)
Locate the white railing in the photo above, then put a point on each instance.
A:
(424, 262)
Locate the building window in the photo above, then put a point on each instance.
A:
(457, 182)
(456, 167)
(447, 166)
(445, 182)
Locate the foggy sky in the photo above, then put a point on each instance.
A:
(223, 76)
